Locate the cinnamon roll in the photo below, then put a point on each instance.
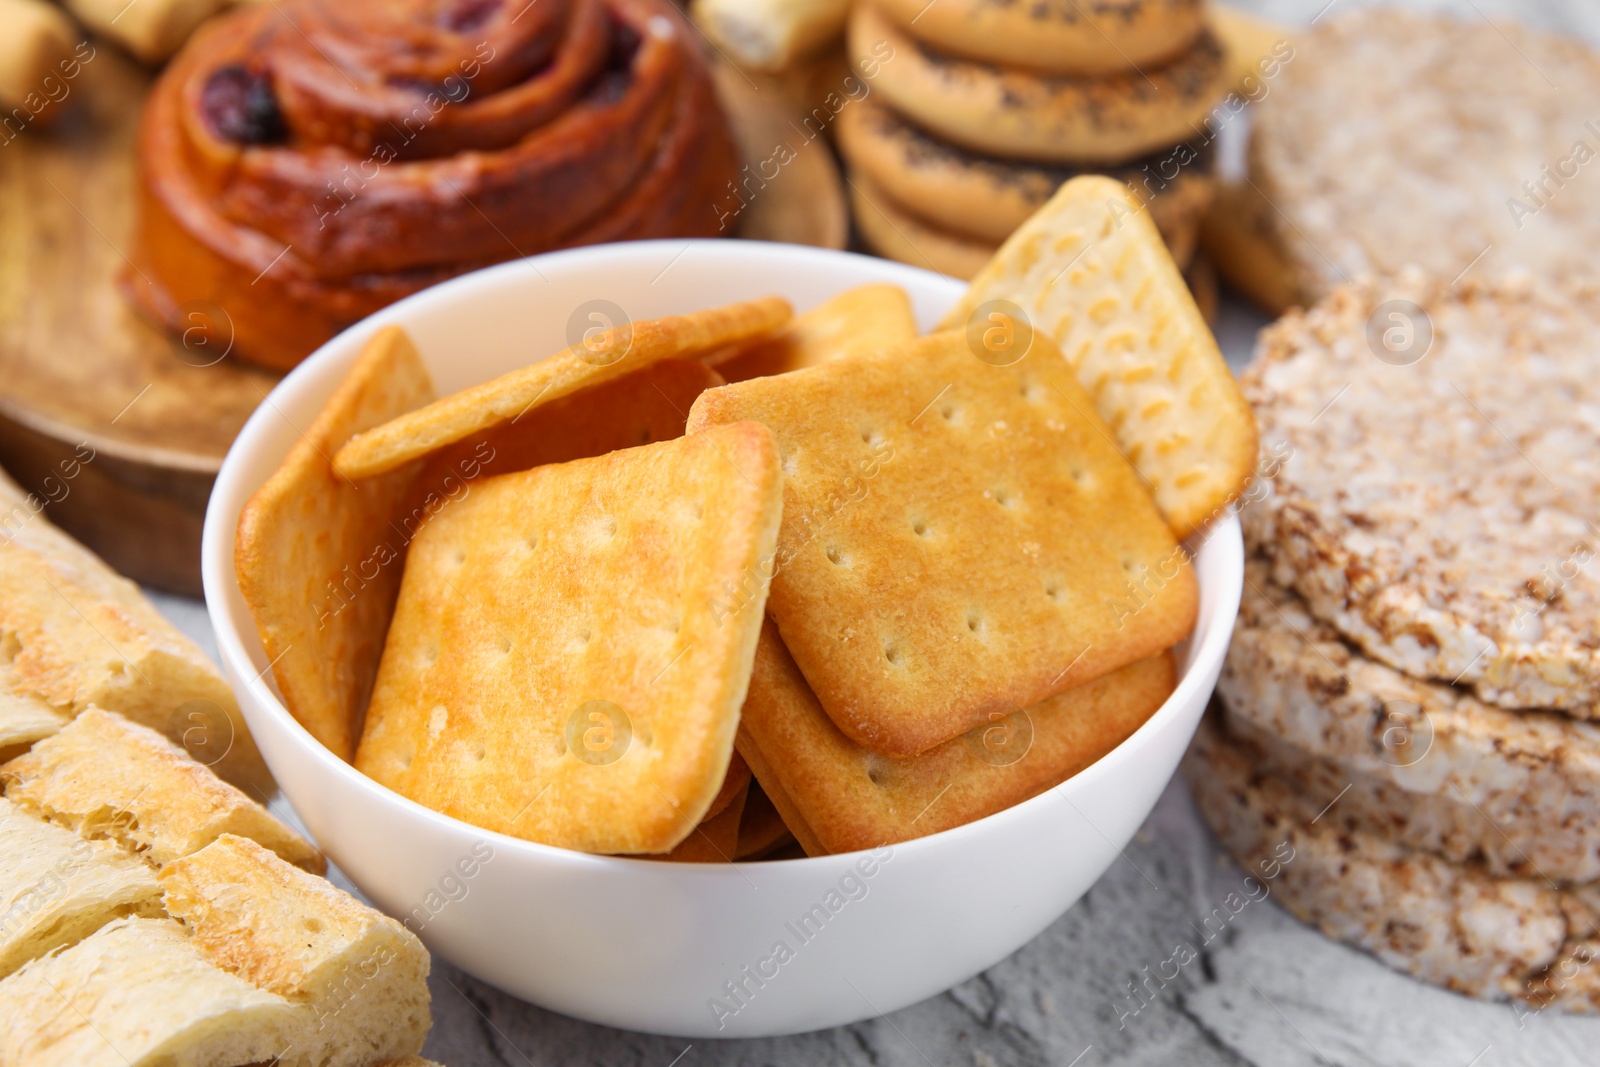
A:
(306, 162)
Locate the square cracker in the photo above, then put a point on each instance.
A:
(1090, 270)
(606, 356)
(958, 538)
(317, 554)
(839, 797)
(857, 320)
(563, 664)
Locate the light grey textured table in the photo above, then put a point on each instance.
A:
(1266, 991)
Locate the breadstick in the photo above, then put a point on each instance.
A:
(35, 38)
(769, 34)
(151, 29)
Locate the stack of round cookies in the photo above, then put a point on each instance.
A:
(980, 110)
(1406, 710)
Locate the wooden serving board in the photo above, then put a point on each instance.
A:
(141, 424)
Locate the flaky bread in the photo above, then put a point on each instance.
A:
(1436, 505)
(24, 718)
(837, 796)
(1450, 924)
(56, 888)
(361, 975)
(960, 537)
(139, 993)
(1089, 270)
(602, 356)
(319, 556)
(76, 633)
(106, 777)
(608, 725)
(1382, 110)
(1426, 763)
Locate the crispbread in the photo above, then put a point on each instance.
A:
(138, 993)
(1383, 108)
(1450, 924)
(958, 539)
(106, 777)
(56, 888)
(850, 798)
(1413, 511)
(608, 355)
(857, 320)
(318, 555)
(1426, 763)
(646, 406)
(716, 839)
(486, 703)
(361, 975)
(1089, 270)
(76, 633)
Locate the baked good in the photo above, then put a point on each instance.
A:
(79, 634)
(957, 534)
(316, 554)
(1240, 236)
(37, 44)
(895, 233)
(606, 726)
(837, 796)
(769, 34)
(761, 829)
(1383, 109)
(1084, 37)
(1090, 272)
(986, 197)
(105, 777)
(303, 164)
(1414, 510)
(869, 316)
(602, 356)
(1425, 764)
(1024, 115)
(152, 29)
(1454, 925)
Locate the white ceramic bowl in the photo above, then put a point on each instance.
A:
(654, 946)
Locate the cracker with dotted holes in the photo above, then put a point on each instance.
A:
(839, 797)
(857, 320)
(716, 839)
(606, 356)
(316, 555)
(562, 666)
(1090, 270)
(958, 538)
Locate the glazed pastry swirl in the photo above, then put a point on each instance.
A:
(307, 162)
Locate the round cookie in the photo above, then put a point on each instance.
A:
(987, 198)
(1084, 37)
(895, 233)
(1022, 115)
(1239, 237)
(1454, 925)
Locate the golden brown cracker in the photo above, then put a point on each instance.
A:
(318, 556)
(857, 320)
(959, 537)
(646, 406)
(562, 665)
(716, 839)
(607, 355)
(761, 828)
(733, 782)
(1090, 270)
(850, 798)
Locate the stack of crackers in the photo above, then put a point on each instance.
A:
(1409, 698)
(981, 110)
(900, 582)
(151, 912)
